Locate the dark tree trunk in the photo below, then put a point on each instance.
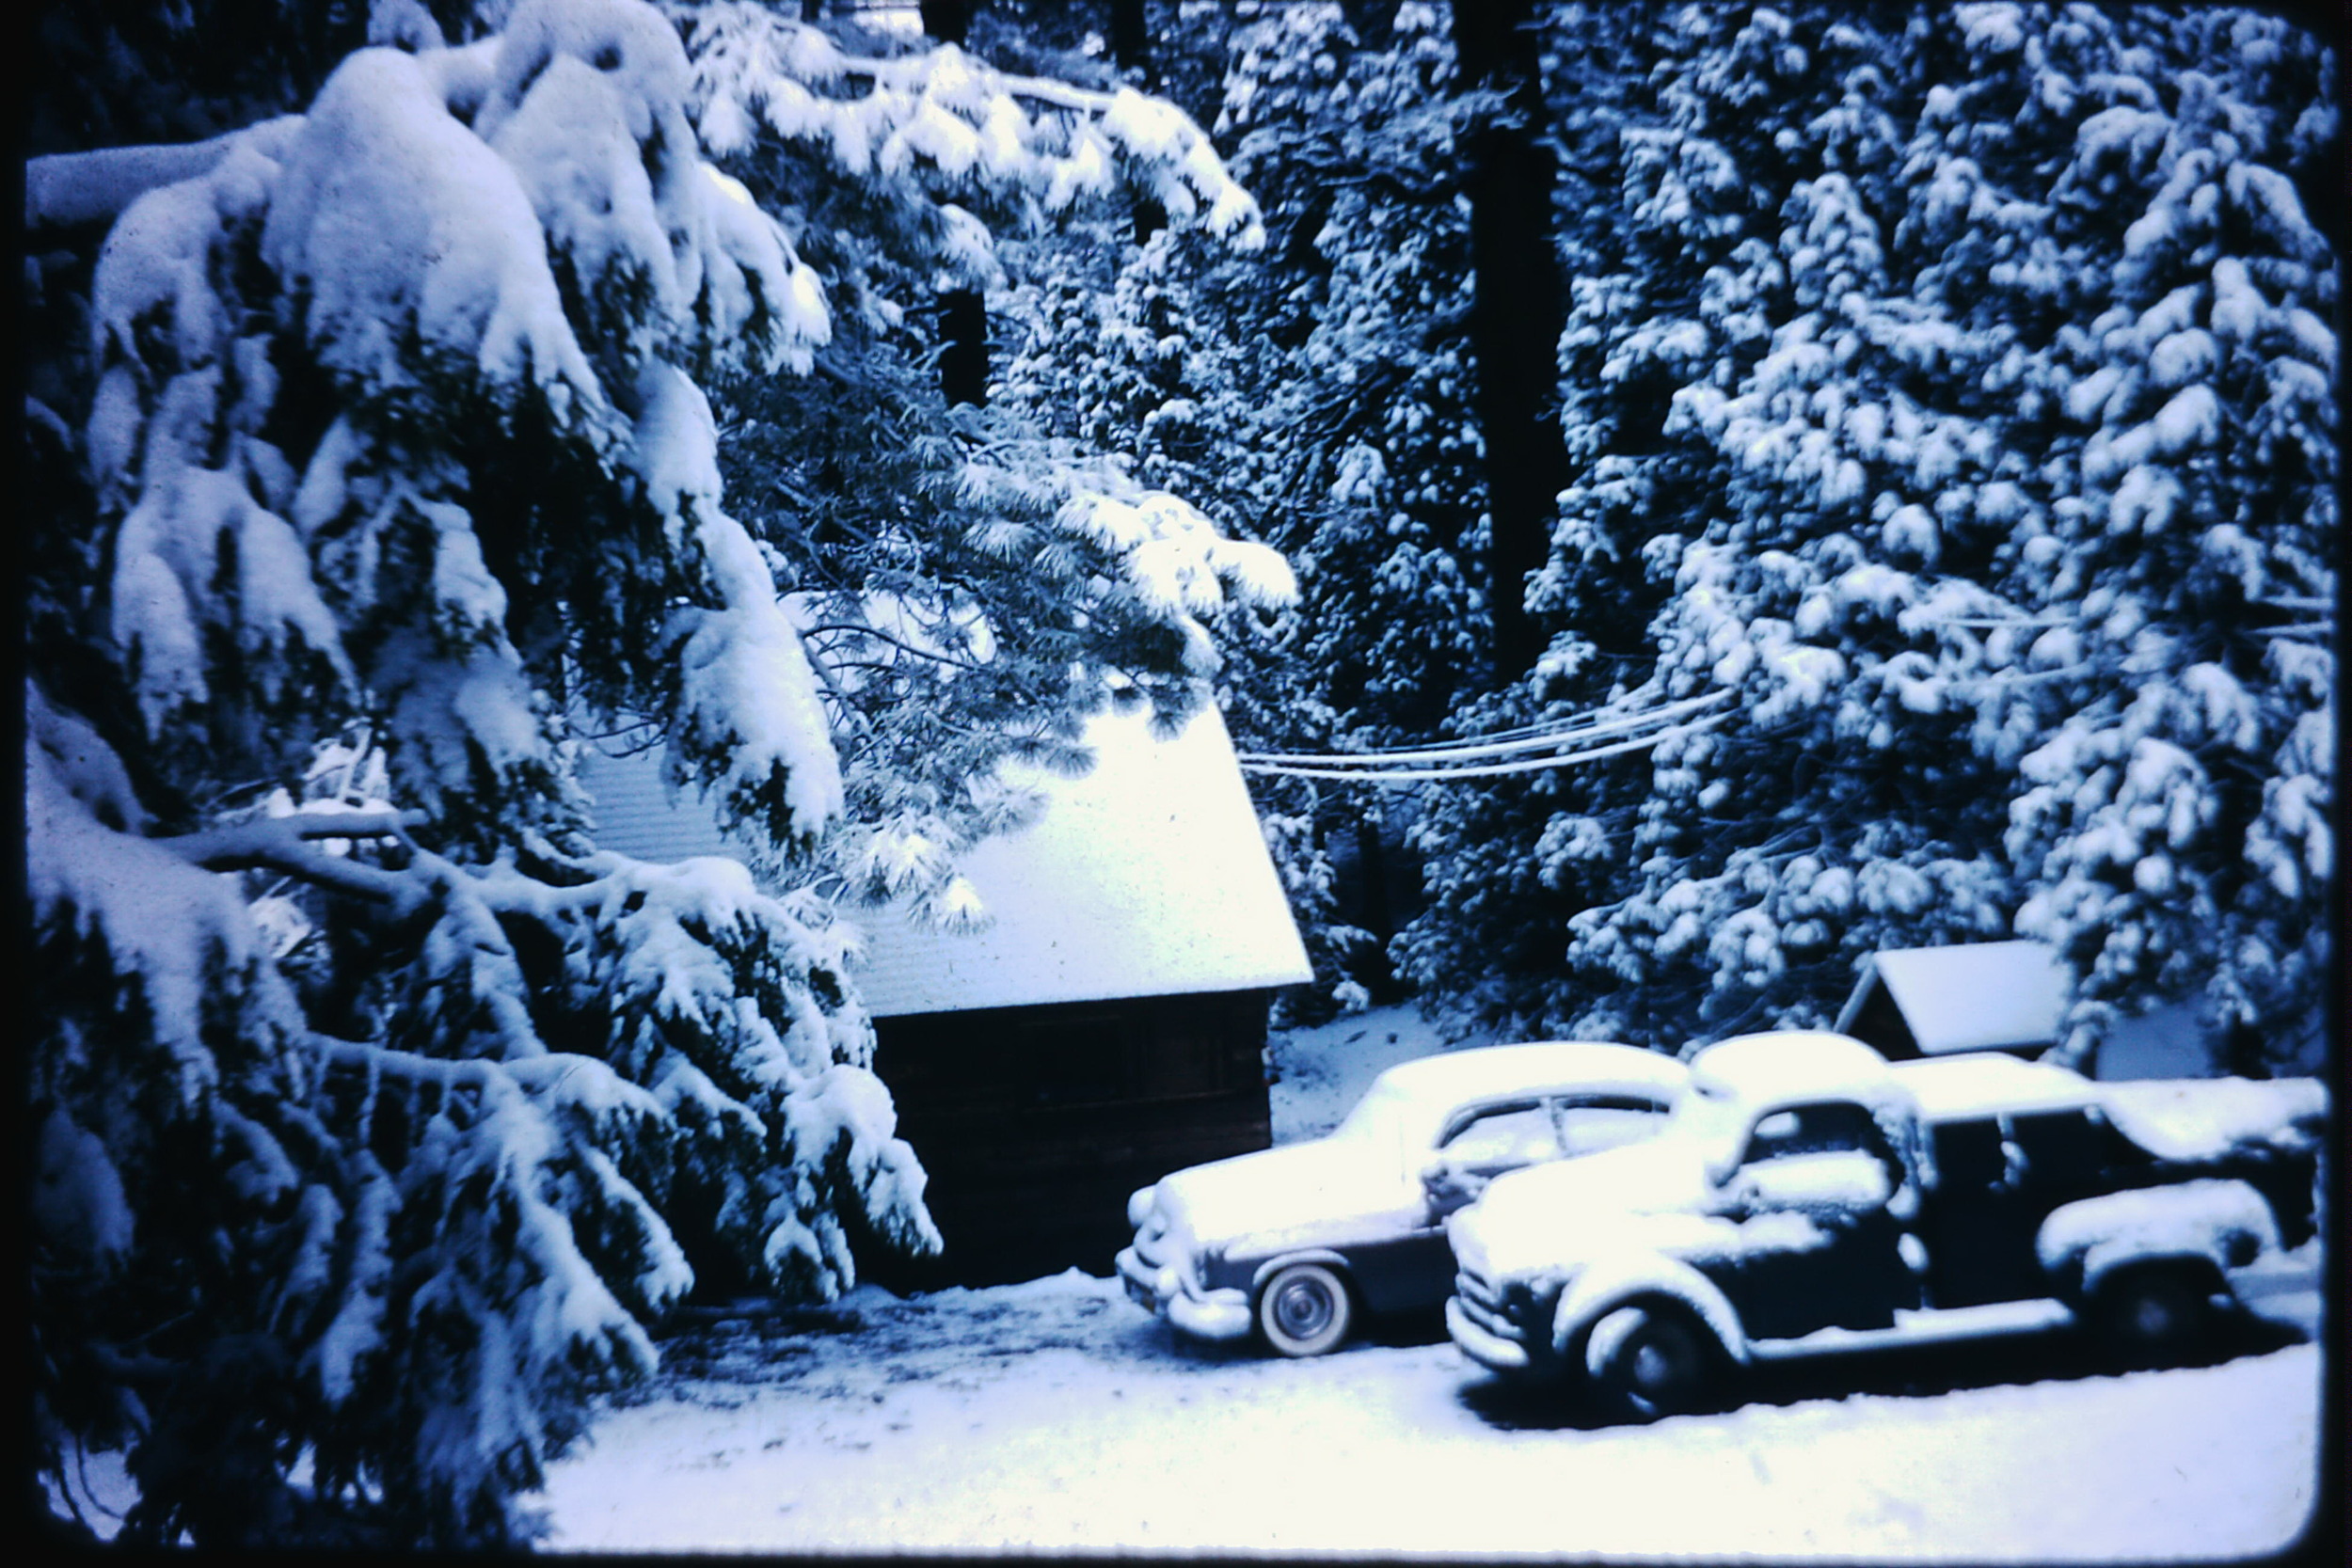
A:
(1515, 314)
(1131, 49)
(963, 345)
(1130, 42)
(948, 21)
(963, 313)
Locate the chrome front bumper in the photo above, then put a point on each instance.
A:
(1212, 1315)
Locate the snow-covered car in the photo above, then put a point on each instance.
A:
(1292, 1242)
(1807, 1195)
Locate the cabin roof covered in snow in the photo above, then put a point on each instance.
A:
(1147, 877)
(1969, 996)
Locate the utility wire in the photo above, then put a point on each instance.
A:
(1488, 771)
(1597, 726)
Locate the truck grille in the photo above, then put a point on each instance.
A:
(1483, 1304)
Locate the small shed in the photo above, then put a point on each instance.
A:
(1109, 1024)
(2006, 996)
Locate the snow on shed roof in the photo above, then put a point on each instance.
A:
(1969, 996)
(1148, 876)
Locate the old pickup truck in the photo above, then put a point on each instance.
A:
(1806, 1195)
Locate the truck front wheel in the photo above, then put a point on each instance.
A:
(2148, 1314)
(1650, 1360)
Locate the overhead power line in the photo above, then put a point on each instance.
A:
(1536, 737)
(1568, 745)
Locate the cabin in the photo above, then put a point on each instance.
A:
(1107, 1026)
(2007, 996)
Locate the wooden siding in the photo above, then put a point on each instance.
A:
(1035, 1123)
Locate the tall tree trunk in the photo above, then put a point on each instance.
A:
(1130, 42)
(1131, 48)
(1515, 314)
(963, 313)
(963, 345)
(948, 21)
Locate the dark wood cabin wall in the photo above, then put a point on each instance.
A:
(1035, 1123)
(1879, 1024)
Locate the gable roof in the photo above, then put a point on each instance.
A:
(1147, 877)
(1969, 996)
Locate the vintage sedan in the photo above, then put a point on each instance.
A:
(1292, 1244)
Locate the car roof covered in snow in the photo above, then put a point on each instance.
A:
(1147, 877)
(1790, 1064)
(1988, 1082)
(1968, 996)
(1454, 1077)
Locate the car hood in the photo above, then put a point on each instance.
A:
(1548, 1216)
(1297, 1193)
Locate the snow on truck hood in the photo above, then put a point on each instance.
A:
(1520, 1221)
(1316, 1184)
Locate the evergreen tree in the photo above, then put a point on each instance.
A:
(1316, 397)
(377, 1112)
(1923, 403)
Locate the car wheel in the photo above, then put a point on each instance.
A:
(1305, 1310)
(2148, 1314)
(1650, 1361)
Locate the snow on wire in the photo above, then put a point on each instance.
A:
(1567, 743)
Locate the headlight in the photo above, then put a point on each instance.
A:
(1139, 1206)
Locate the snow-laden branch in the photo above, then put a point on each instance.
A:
(956, 114)
(290, 845)
(67, 189)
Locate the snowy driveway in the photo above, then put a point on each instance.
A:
(1053, 1415)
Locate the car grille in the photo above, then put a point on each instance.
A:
(1483, 1304)
(1151, 1241)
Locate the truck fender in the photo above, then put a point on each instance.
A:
(2224, 1221)
(1610, 1283)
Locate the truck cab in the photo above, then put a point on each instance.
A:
(1809, 1196)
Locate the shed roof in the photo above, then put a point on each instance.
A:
(1147, 877)
(1969, 996)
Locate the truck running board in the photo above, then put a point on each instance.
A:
(1924, 1326)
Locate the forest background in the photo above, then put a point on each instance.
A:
(1862, 476)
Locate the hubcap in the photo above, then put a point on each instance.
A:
(1303, 1309)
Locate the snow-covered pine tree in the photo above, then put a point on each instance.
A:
(381, 469)
(1872, 431)
(1316, 398)
(2173, 834)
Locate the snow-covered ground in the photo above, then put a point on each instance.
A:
(1053, 1415)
